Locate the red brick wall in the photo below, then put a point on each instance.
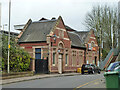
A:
(61, 24)
(90, 55)
(29, 48)
(67, 44)
(33, 44)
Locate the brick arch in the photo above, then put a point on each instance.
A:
(61, 45)
(92, 43)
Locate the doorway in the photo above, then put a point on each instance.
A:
(95, 60)
(41, 65)
(60, 59)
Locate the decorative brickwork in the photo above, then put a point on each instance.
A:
(62, 55)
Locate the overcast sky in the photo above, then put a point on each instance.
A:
(73, 12)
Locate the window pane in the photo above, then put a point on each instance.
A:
(37, 56)
(38, 50)
(38, 53)
(66, 58)
(53, 58)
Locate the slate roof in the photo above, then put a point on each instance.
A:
(76, 40)
(83, 35)
(69, 28)
(37, 31)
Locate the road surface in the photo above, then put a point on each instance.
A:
(77, 81)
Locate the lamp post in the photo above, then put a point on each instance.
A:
(8, 68)
(100, 43)
(119, 26)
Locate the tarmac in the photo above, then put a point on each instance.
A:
(95, 84)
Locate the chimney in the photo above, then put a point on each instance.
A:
(43, 19)
(53, 18)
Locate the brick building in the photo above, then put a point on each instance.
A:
(55, 46)
(92, 49)
(89, 40)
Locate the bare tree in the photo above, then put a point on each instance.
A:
(104, 20)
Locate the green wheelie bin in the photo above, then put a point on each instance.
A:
(112, 79)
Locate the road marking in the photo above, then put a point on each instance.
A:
(86, 83)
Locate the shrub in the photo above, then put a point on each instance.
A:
(19, 58)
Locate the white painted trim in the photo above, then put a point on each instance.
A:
(40, 46)
(96, 45)
(63, 38)
(87, 62)
(66, 38)
(66, 65)
(34, 53)
(22, 47)
(62, 43)
(34, 47)
(41, 53)
(57, 36)
(60, 29)
(53, 64)
(93, 37)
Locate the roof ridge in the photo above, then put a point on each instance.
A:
(83, 31)
(44, 21)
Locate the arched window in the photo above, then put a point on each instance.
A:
(60, 45)
(92, 44)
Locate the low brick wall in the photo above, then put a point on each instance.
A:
(16, 74)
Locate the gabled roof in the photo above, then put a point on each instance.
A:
(83, 35)
(76, 40)
(68, 28)
(37, 31)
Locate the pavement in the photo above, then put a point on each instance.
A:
(100, 83)
(13, 80)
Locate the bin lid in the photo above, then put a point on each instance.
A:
(111, 73)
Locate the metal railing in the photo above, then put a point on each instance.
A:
(103, 63)
(113, 52)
